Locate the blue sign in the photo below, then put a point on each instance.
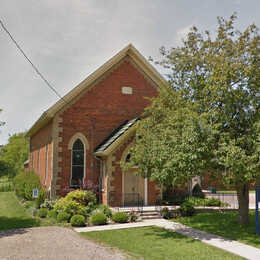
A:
(257, 200)
(35, 193)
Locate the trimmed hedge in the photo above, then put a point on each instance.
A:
(120, 217)
(98, 219)
(63, 217)
(77, 221)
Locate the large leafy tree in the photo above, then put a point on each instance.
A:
(218, 80)
(15, 152)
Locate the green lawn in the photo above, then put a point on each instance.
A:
(232, 191)
(224, 224)
(13, 214)
(155, 243)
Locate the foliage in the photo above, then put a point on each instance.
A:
(1, 122)
(63, 216)
(132, 216)
(186, 209)
(77, 221)
(6, 169)
(5, 184)
(103, 209)
(98, 219)
(155, 243)
(209, 117)
(41, 198)
(120, 217)
(207, 202)
(24, 183)
(15, 152)
(166, 213)
(42, 213)
(49, 204)
(51, 213)
(197, 191)
(77, 202)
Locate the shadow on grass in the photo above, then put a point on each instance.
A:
(8, 224)
(162, 233)
(225, 225)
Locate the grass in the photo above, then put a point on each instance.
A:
(5, 184)
(157, 243)
(13, 214)
(232, 191)
(226, 225)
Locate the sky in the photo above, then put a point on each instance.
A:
(69, 39)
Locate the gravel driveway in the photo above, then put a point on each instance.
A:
(51, 243)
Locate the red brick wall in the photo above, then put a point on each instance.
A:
(106, 107)
(38, 143)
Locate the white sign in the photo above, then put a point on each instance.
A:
(35, 193)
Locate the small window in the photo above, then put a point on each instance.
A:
(77, 167)
(127, 90)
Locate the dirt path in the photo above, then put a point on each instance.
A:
(49, 243)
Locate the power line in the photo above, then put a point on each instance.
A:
(34, 67)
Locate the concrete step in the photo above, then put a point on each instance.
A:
(151, 217)
(144, 213)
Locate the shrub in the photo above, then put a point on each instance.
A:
(98, 219)
(77, 221)
(213, 202)
(186, 209)
(42, 213)
(24, 183)
(120, 217)
(41, 197)
(166, 213)
(197, 192)
(52, 214)
(77, 202)
(63, 217)
(103, 209)
(132, 215)
(48, 204)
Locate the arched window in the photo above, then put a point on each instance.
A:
(77, 163)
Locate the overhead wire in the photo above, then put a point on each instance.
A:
(31, 63)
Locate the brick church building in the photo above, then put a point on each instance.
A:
(84, 137)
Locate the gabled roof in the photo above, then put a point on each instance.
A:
(130, 51)
(115, 137)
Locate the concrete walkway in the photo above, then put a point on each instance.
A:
(248, 252)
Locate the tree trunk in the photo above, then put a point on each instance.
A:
(243, 203)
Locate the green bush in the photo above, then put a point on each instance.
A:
(98, 219)
(213, 202)
(120, 217)
(63, 217)
(197, 192)
(52, 214)
(41, 198)
(186, 209)
(77, 221)
(166, 213)
(48, 204)
(24, 183)
(77, 202)
(42, 213)
(103, 209)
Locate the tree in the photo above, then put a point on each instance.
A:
(171, 142)
(219, 79)
(15, 152)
